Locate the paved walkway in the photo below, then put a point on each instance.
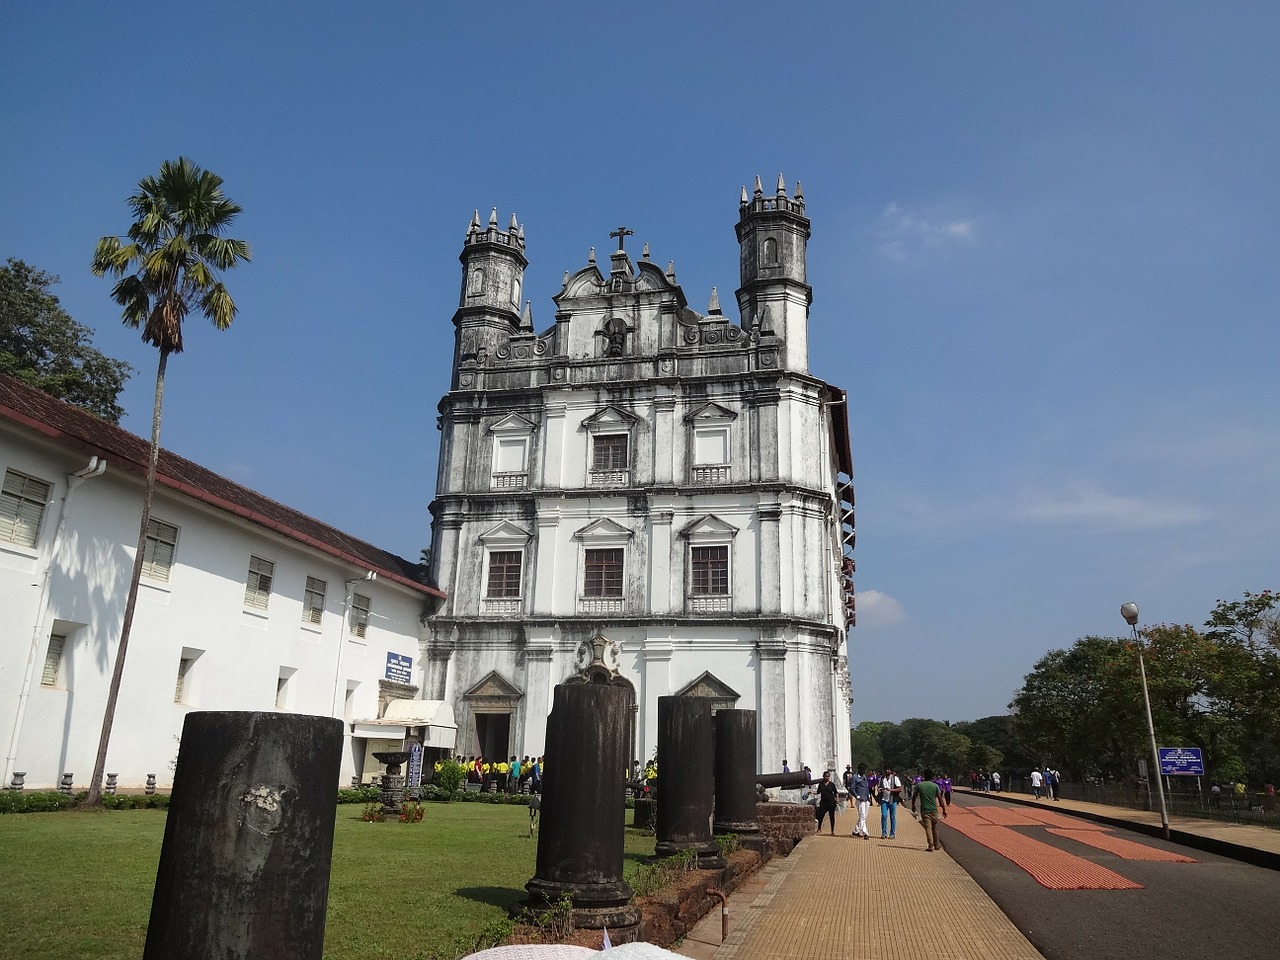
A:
(853, 899)
(843, 898)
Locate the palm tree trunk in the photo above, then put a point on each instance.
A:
(94, 799)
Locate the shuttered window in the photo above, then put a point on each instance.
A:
(53, 661)
(313, 601)
(22, 503)
(162, 544)
(257, 590)
(359, 615)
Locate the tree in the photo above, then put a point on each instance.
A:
(41, 345)
(168, 265)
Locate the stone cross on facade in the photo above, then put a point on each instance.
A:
(621, 233)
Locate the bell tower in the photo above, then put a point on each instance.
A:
(493, 264)
(773, 236)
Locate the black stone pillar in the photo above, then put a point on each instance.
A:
(580, 839)
(685, 796)
(735, 771)
(244, 870)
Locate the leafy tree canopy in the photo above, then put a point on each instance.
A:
(41, 345)
(1082, 709)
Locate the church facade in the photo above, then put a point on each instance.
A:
(643, 495)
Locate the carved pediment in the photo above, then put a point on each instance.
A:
(587, 282)
(514, 424)
(505, 533)
(709, 685)
(601, 530)
(709, 527)
(493, 686)
(710, 412)
(610, 416)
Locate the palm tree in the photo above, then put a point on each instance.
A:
(168, 264)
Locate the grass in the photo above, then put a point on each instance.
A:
(79, 885)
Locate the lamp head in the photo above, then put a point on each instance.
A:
(1130, 613)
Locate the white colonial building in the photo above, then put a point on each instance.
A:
(643, 495)
(245, 604)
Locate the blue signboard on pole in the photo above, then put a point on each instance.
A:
(415, 765)
(1181, 761)
(399, 668)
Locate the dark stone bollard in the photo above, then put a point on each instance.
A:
(113, 783)
(244, 870)
(685, 795)
(580, 839)
(66, 785)
(19, 781)
(735, 778)
(150, 788)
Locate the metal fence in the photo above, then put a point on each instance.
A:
(1181, 798)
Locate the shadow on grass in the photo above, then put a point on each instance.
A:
(503, 897)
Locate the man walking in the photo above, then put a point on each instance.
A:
(931, 799)
(827, 801)
(1036, 781)
(890, 796)
(860, 794)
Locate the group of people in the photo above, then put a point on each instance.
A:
(517, 775)
(886, 789)
(984, 781)
(1046, 780)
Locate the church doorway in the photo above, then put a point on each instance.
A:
(493, 735)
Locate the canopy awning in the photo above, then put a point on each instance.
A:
(434, 716)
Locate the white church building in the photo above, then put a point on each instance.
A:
(643, 495)
(245, 604)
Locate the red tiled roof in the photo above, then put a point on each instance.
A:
(76, 429)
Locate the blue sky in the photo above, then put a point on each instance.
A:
(1044, 261)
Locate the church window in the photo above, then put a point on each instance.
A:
(313, 601)
(711, 454)
(475, 282)
(770, 252)
(603, 573)
(505, 567)
(709, 571)
(257, 590)
(162, 543)
(511, 444)
(609, 453)
(22, 504)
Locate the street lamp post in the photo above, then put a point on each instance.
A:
(1130, 613)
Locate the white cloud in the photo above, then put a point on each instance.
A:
(876, 609)
(905, 233)
(1092, 507)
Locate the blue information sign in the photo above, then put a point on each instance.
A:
(415, 765)
(399, 668)
(1181, 761)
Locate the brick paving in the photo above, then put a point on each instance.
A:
(844, 898)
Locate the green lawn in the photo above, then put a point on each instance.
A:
(79, 886)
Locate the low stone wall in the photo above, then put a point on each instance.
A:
(669, 915)
(785, 824)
